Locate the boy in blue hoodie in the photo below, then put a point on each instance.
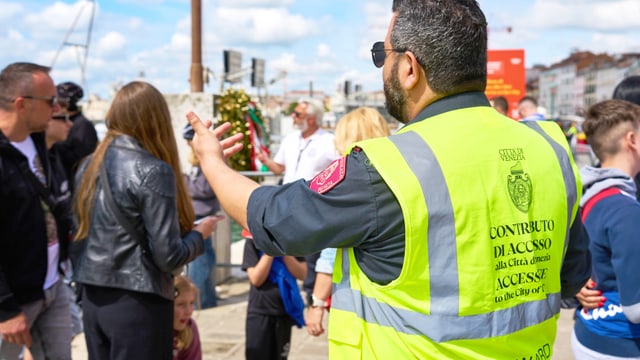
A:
(611, 215)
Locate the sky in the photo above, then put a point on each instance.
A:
(319, 42)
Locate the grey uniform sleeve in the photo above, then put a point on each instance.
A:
(576, 267)
(295, 220)
(359, 212)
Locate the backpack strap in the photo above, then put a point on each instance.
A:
(586, 208)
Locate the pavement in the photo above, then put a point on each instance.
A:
(222, 328)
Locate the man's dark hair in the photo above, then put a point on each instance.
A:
(449, 39)
(396, 5)
(628, 89)
(500, 102)
(16, 80)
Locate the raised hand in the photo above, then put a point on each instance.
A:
(207, 145)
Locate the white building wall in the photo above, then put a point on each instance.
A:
(203, 105)
(579, 85)
(566, 91)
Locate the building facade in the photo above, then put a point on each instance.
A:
(572, 85)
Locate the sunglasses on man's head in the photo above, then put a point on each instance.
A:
(379, 53)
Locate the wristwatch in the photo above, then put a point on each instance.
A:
(315, 302)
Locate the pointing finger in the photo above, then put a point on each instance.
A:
(198, 126)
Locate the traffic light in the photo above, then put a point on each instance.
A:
(232, 64)
(257, 72)
(347, 88)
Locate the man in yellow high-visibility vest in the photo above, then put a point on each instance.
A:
(459, 233)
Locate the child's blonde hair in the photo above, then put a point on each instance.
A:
(181, 285)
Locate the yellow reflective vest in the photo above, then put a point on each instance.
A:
(487, 204)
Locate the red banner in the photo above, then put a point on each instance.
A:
(506, 77)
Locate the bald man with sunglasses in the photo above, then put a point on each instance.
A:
(34, 220)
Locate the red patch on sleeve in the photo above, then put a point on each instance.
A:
(328, 178)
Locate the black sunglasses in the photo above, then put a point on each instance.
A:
(297, 114)
(379, 53)
(52, 100)
(61, 117)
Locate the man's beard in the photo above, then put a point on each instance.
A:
(302, 126)
(395, 100)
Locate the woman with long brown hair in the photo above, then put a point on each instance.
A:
(135, 224)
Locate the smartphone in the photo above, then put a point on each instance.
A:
(217, 217)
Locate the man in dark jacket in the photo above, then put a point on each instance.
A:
(83, 138)
(34, 231)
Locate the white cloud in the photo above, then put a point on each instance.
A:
(299, 73)
(377, 17)
(142, 2)
(263, 25)
(255, 3)
(9, 11)
(113, 43)
(611, 43)
(181, 42)
(323, 50)
(15, 36)
(135, 24)
(60, 16)
(600, 15)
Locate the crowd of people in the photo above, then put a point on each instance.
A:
(460, 236)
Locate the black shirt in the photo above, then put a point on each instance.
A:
(266, 299)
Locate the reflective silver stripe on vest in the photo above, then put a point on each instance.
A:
(443, 259)
(439, 327)
(567, 175)
(444, 324)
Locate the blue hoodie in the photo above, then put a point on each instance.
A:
(613, 225)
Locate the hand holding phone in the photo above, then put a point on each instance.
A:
(207, 224)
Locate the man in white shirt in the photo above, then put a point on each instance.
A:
(306, 151)
(303, 154)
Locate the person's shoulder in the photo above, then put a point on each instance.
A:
(193, 325)
(622, 204)
(323, 134)
(153, 173)
(79, 118)
(156, 173)
(614, 211)
(292, 136)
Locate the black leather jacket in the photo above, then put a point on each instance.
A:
(144, 188)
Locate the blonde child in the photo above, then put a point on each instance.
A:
(186, 339)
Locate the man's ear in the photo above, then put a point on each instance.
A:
(410, 70)
(19, 103)
(631, 140)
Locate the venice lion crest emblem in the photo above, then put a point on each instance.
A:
(520, 188)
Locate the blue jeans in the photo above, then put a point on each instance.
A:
(200, 271)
